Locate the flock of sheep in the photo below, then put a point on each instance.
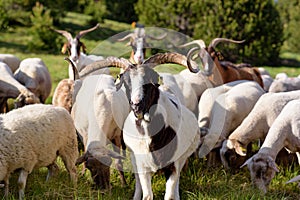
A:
(161, 118)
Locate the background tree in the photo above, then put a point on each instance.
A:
(256, 21)
(290, 16)
(121, 10)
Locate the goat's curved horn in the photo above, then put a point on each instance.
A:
(200, 43)
(128, 36)
(189, 59)
(160, 37)
(64, 33)
(75, 71)
(82, 33)
(169, 57)
(216, 41)
(110, 61)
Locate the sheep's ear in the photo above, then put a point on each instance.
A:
(239, 149)
(64, 48)
(246, 163)
(115, 155)
(297, 178)
(272, 164)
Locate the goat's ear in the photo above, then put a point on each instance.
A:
(239, 149)
(64, 48)
(81, 159)
(272, 164)
(83, 47)
(246, 163)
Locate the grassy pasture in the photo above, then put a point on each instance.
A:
(197, 182)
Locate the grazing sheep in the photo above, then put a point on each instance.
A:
(11, 88)
(255, 126)
(284, 132)
(285, 84)
(11, 60)
(32, 137)
(79, 58)
(34, 75)
(221, 72)
(227, 112)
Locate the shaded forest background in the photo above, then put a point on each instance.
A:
(268, 27)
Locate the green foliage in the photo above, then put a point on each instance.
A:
(290, 16)
(96, 10)
(256, 21)
(121, 10)
(42, 37)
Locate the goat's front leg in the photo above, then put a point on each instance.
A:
(172, 186)
(138, 188)
(145, 181)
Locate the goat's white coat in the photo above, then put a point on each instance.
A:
(184, 123)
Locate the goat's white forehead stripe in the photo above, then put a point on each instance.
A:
(137, 89)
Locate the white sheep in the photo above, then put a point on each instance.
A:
(79, 58)
(285, 84)
(11, 60)
(256, 125)
(284, 132)
(227, 112)
(11, 88)
(32, 137)
(34, 75)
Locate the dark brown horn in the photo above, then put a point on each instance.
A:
(82, 33)
(216, 41)
(64, 33)
(75, 71)
(110, 61)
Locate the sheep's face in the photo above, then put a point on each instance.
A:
(262, 170)
(142, 91)
(26, 98)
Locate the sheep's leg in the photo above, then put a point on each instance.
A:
(69, 163)
(52, 170)
(298, 157)
(145, 180)
(22, 182)
(6, 183)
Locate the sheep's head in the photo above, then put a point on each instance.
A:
(25, 98)
(73, 45)
(232, 153)
(262, 170)
(98, 161)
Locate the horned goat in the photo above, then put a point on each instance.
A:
(255, 126)
(221, 72)
(34, 75)
(79, 58)
(32, 137)
(11, 88)
(99, 111)
(226, 112)
(284, 132)
(11, 60)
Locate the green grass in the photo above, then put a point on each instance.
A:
(197, 182)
